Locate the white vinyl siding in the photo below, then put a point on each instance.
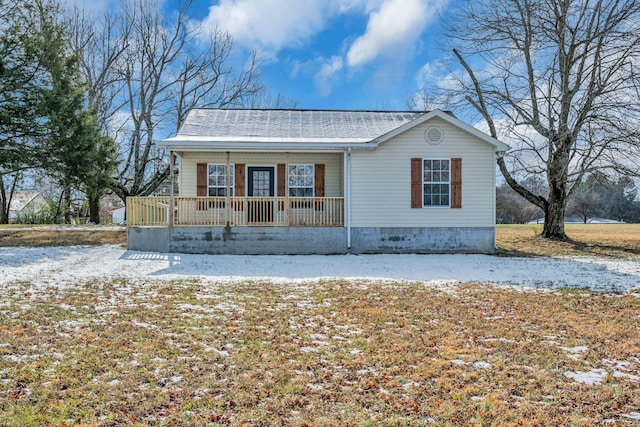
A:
(332, 161)
(381, 181)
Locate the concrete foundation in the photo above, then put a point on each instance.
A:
(153, 239)
(423, 240)
(246, 240)
(311, 240)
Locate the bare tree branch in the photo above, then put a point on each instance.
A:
(558, 83)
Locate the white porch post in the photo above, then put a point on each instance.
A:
(172, 160)
(286, 188)
(347, 195)
(228, 192)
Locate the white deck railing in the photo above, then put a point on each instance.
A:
(237, 211)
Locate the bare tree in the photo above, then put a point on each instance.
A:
(558, 80)
(146, 72)
(584, 204)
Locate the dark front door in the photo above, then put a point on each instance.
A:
(260, 184)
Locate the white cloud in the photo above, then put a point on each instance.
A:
(393, 29)
(325, 78)
(275, 24)
(272, 24)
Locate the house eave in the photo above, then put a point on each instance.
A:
(189, 145)
(499, 146)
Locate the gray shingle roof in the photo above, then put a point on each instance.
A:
(229, 125)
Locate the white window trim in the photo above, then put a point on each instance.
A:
(313, 178)
(425, 206)
(231, 176)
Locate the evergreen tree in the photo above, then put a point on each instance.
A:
(19, 68)
(45, 120)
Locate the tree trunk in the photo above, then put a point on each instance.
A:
(5, 198)
(94, 208)
(67, 204)
(4, 212)
(557, 199)
(554, 220)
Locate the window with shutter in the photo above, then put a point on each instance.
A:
(436, 183)
(211, 181)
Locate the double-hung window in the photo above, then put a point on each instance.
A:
(436, 182)
(301, 180)
(217, 183)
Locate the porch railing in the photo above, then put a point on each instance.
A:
(237, 211)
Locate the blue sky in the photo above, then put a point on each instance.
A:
(335, 54)
(330, 54)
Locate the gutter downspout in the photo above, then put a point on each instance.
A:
(348, 197)
(172, 160)
(499, 155)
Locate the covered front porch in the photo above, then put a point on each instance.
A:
(235, 211)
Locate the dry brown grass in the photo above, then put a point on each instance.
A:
(62, 236)
(322, 354)
(119, 352)
(611, 240)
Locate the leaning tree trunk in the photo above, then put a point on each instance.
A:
(4, 212)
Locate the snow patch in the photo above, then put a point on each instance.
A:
(482, 365)
(43, 267)
(592, 377)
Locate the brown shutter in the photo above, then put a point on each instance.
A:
(238, 183)
(238, 180)
(202, 176)
(416, 183)
(318, 177)
(318, 190)
(282, 176)
(456, 183)
(282, 181)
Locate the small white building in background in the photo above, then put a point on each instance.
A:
(25, 204)
(117, 216)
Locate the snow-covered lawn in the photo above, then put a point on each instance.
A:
(69, 264)
(105, 336)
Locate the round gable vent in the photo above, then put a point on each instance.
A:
(433, 135)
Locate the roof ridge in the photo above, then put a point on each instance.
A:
(311, 110)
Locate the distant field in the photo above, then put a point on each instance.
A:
(617, 240)
(18, 235)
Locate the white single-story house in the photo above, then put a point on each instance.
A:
(24, 205)
(323, 182)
